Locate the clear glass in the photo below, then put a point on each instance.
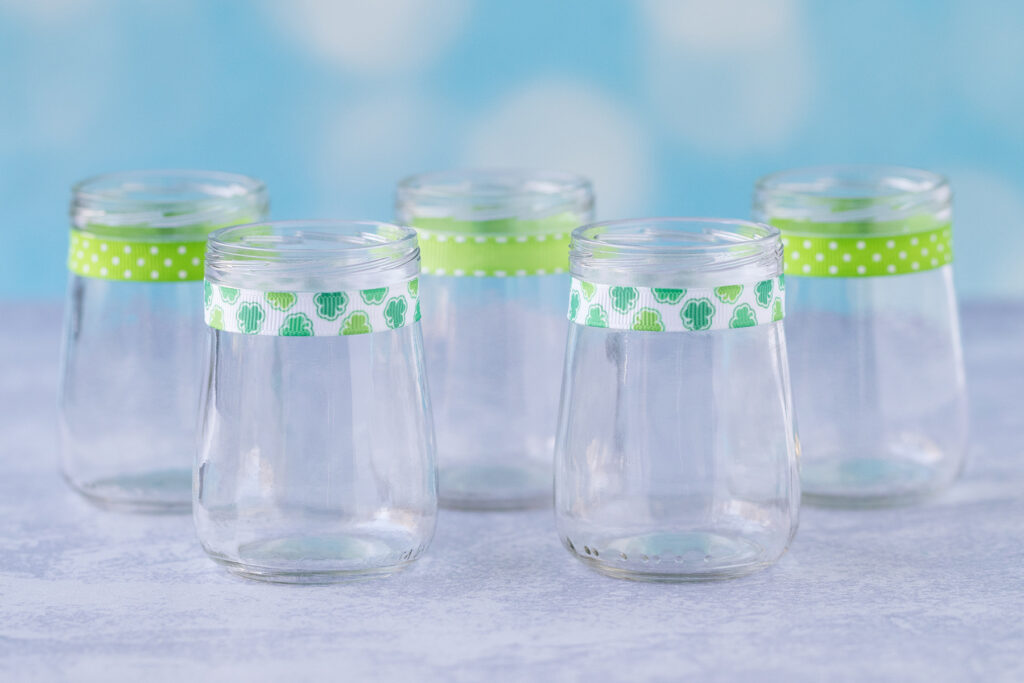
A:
(877, 364)
(132, 352)
(676, 455)
(494, 344)
(316, 462)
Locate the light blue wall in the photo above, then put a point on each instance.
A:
(673, 107)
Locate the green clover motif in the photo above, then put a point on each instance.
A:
(207, 293)
(648, 320)
(777, 312)
(697, 314)
(574, 304)
(416, 315)
(330, 305)
(414, 287)
(763, 293)
(374, 296)
(358, 322)
(668, 296)
(782, 282)
(596, 317)
(394, 312)
(623, 298)
(728, 294)
(229, 294)
(296, 325)
(743, 316)
(250, 317)
(217, 318)
(588, 290)
(282, 301)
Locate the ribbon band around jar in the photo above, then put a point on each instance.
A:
(657, 309)
(496, 248)
(98, 256)
(311, 314)
(858, 249)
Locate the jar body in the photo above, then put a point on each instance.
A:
(878, 373)
(316, 460)
(130, 378)
(494, 348)
(133, 334)
(676, 455)
(876, 357)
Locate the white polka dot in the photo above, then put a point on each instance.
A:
(182, 274)
(154, 275)
(520, 239)
(94, 258)
(924, 251)
(80, 254)
(915, 265)
(785, 241)
(876, 257)
(846, 257)
(116, 260)
(181, 249)
(127, 274)
(902, 254)
(890, 244)
(807, 244)
(941, 247)
(439, 271)
(891, 268)
(167, 262)
(501, 239)
(153, 250)
(833, 269)
(103, 246)
(520, 272)
(541, 271)
(458, 272)
(500, 273)
(195, 260)
(860, 244)
(460, 239)
(85, 243)
(935, 261)
(141, 262)
(541, 238)
(85, 268)
(103, 272)
(127, 249)
(479, 273)
(480, 239)
(795, 255)
(819, 257)
(861, 270)
(833, 245)
(934, 237)
(913, 241)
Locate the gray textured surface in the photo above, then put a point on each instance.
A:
(934, 592)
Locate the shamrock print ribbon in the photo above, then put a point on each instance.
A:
(657, 309)
(311, 314)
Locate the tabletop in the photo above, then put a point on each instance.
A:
(932, 592)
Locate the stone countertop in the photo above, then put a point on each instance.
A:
(931, 593)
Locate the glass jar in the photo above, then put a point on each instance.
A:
(316, 461)
(133, 330)
(676, 457)
(495, 250)
(877, 365)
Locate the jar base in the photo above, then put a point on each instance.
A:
(868, 481)
(495, 487)
(672, 557)
(157, 492)
(321, 558)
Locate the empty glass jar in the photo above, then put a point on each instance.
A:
(133, 330)
(316, 461)
(875, 342)
(676, 456)
(495, 255)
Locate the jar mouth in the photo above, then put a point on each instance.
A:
(492, 193)
(167, 199)
(852, 192)
(674, 236)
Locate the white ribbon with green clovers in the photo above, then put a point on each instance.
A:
(657, 309)
(311, 314)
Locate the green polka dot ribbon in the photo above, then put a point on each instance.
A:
(311, 314)
(864, 249)
(92, 255)
(496, 248)
(656, 309)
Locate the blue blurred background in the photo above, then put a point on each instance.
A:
(671, 106)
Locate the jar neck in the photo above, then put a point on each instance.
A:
(496, 201)
(166, 205)
(308, 256)
(854, 201)
(675, 252)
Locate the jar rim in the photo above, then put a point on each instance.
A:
(710, 235)
(277, 240)
(866, 181)
(158, 198)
